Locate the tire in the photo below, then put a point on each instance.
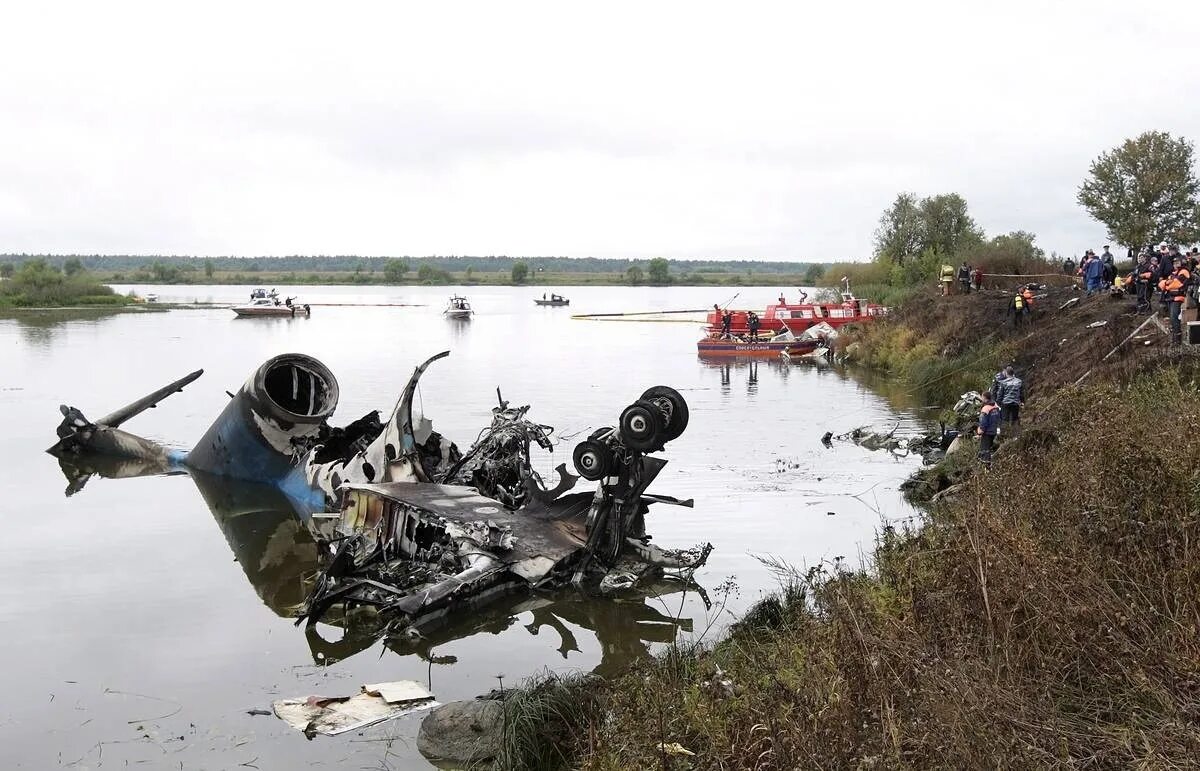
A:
(592, 460)
(679, 410)
(642, 426)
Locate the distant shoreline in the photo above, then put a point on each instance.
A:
(220, 278)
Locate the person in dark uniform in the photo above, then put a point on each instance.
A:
(989, 428)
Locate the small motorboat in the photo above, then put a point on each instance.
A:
(458, 308)
(267, 306)
(555, 300)
(151, 298)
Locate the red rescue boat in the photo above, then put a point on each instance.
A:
(800, 316)
(781, 327)
(715, 346)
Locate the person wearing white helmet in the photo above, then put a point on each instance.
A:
(1165, 263)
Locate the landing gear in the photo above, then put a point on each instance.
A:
(660, 416)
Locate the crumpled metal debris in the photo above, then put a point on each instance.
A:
(416, 551)
(421, 529)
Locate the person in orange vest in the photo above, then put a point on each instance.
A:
(1174, 291)
(989, 428)
(1027, 293)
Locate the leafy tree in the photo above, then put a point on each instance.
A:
(164, 274)
(901, 230)
(946, 226)
(72, 266)
(813, 274)
(38, 274)
(1013, 253)
(6, 270)
(427, 274)
(520, 272)
(208, 268)
(470, 273)
(634, 275)
(394, 270)
(1144, 190)
(659, 271)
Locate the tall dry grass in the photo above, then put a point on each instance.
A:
(1047, 617)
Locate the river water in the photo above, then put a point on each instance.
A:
(141, 625)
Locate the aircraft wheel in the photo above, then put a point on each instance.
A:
(678, 420)
(642, 426)
(593, 460)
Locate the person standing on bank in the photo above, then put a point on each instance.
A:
(1143, 277)
(1174, 292)
(964, 277)
(1012, 397)
(989, 428)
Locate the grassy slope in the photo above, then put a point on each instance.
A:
(1046, 616)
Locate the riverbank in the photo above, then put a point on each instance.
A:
(1047, 614)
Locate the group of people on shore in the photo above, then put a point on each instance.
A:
(968, 278)
(1002, 404)
(1174, 275)
(1096, 270)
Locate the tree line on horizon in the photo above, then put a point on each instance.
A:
(352, 263)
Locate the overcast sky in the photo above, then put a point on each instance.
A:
(737, 130)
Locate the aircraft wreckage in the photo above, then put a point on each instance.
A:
(406, 523)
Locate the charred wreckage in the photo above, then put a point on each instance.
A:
(407, 524)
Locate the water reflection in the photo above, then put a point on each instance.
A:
(40, 328)
(623, 627)
(272, 540)
(79, 469)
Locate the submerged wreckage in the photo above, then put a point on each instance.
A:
(407, 523)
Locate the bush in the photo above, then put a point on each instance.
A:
(39, 284)
(427, 274)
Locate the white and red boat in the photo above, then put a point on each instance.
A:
(798, 317)
(782, 327)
